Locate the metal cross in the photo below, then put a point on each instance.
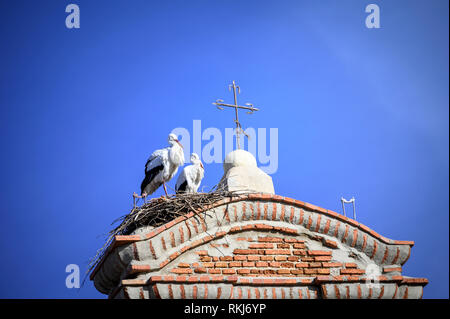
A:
(249, 107)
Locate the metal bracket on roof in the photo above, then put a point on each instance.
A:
(352, 200)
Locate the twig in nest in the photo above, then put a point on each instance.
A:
(157, 212)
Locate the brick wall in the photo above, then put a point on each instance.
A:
(267, 256)
(243, 244)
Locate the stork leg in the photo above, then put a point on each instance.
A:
(144, 196)
(165, 189)
(134, 199)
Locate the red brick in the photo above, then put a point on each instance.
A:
(280, 258)
(315, 265)
(268, 258)
(235, 229)
(297, 271)
(220, 234)
(284, 282)
(352, 271)
(181, 271)
(392, 269)
(248, 227)
(283, 271)
(396, 256)
(262, 226)
(332, 265)
(322, 258)
(345, 234)
(243, 271)
(299, 246)
(184, 248)
(180, 278)
(265, 196)
(225, 258)
(282, 246)
(290, 231)
(204, 279)
(174, 255)
(200, 270)
(350, 265)
(269, 272)
(277, 252)
(244, 251)
(261, 245)
(252, 258)
(299, 252)
(275, 264)
(308, 259)
(308, 271)
(283, 212)
(261, 264)
(196, 243)
(234, 264)
(270, 239)
(248, 264)
(323, 271)
(293, 258)
(301, 265)
(201, 252)
(157, 278)
(287, 265)
(183, 265)
(293, 240)
(327, 227)
(208, 265)
(221, 265)
(240, 258)
(375, 247)
(228, 271)
(140, 268)
(205, 258)
(319, 253)
(330, 243)
(214, 271)
(414, 280)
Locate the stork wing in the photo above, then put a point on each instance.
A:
(180, 185)
(155, 164)
(183, 179)
(158, 158)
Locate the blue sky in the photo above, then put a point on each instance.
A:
(360, 112)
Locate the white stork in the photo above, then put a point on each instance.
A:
(161, 166)
(191, 176)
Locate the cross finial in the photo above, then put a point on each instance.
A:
(249, 107)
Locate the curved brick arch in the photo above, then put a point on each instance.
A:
(154, 250)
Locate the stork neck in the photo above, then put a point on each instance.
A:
(176, 154)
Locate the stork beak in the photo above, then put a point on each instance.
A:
(179, 143)
(201, 164)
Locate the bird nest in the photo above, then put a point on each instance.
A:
(157, 212)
